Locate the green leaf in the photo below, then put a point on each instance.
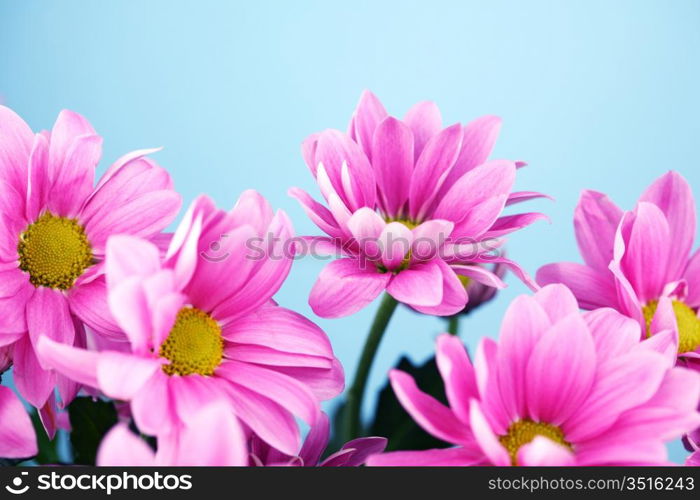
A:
(90, 420)
(48, 449)
(394, 423)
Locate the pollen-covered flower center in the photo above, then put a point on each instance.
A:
(686, 319)
(465, 280)
(406, 222)
(54, 251)
(194, 344)
(524, 431)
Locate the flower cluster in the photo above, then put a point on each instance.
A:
(179, 336)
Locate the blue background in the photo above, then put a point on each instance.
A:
(594, 94)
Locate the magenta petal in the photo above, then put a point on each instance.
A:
(363, 448)
(228, 446)
(574, 362)
(357, 186)
(122, 375)
(89, 303)
(646, 257)
(17, 438)
(319, 214)
(488, 441)
(48, 314)
(73, 179)
(425, 121)
(673, 195)
(428, 412)
(15, 146)
(593, 288)
(308, 152)
(432, 168)
(454, 295)
(542, 452)
(143, 216)
(457, 374)
(368, 114)
(316, 441)
(479, 139)
(595, 221)
(152, 407)
(445, 457)
(267, 419)
(34, 383)
(510, 223)
(557, 301)
(392, 159)
(524, 323)
(286, 391)
(343, 287)
(477, 186)
(39, 183)
(602, 322)
(77, 364)
(420, 285)
(622, 383)
(121, 448)
(692, 276)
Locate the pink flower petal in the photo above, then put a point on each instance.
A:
(121, 448)
(488, 441)
(428, 412)
(673, 195)
(33, 382)
(392, 159)
(343, 288)
(77, 364)
(420, 285)
(425, 121)
(479, 139)
(646, 256)
(595, 221)
(439, 457)
(367, 116)
(593, 288)
(457, 373)
(573, 362)
(121, 376)
(17, 438)
(286, 391)
(543, 452)
(15, 146)
(432, 168)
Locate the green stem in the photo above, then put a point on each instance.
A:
(355, 394)
(453, 324)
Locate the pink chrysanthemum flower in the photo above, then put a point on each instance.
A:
(202, 327)
(212, 438)
(634, 260)
(411, 207)
(352, 454)
(558, 388)
(55, 225)
(17, 438)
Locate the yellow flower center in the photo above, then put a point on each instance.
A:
(194, 344)
(54, 251)
(524, 431)
(465, 280)
(686, 319)
(406, 222)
